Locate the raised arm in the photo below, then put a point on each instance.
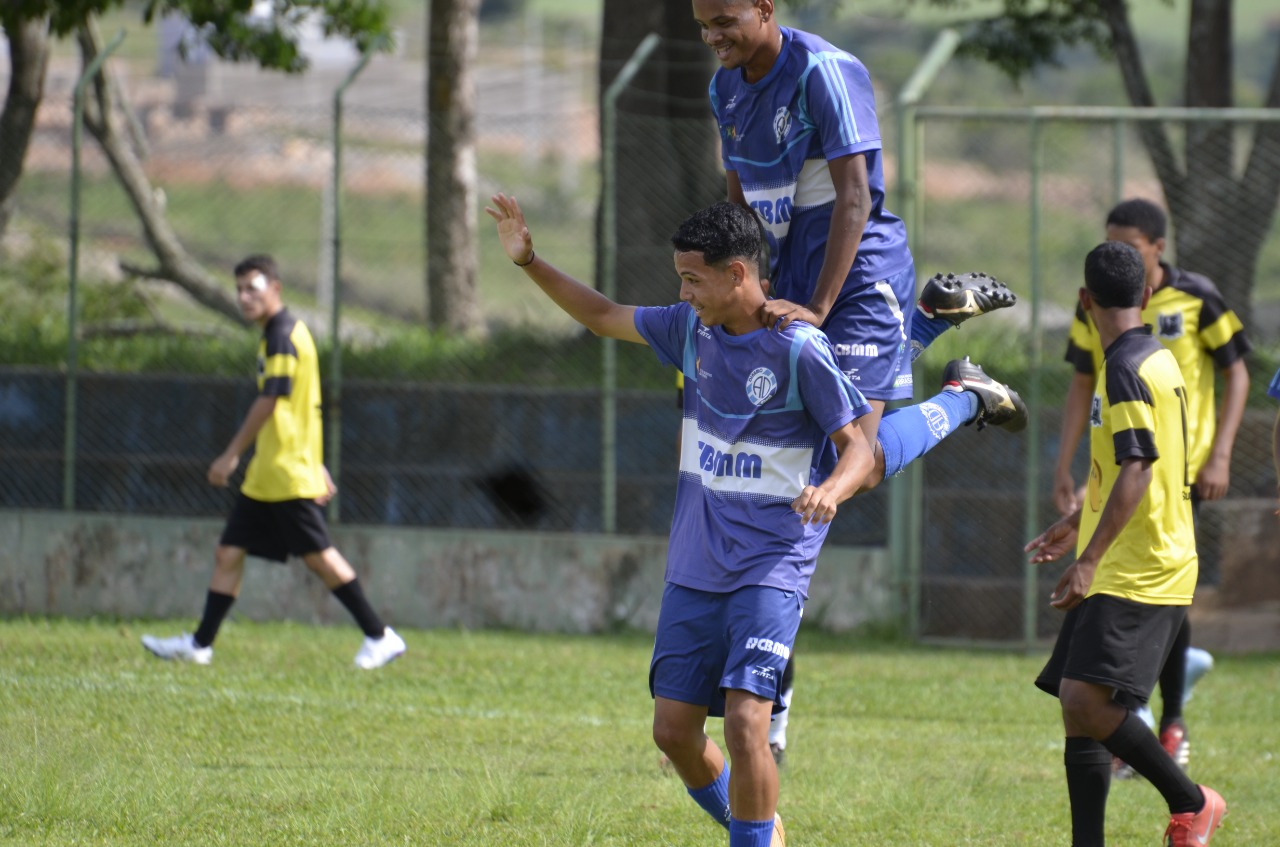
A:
(581, 302)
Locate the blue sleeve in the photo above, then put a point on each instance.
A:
(713, 93)
(666, 329)
(843, 105)
(1273, 390)
(827, 394)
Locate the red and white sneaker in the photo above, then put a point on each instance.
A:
(1195, 829)
(1173, 738)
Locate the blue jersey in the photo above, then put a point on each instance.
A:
(758, 410)
(778, 134)
(1273, 390)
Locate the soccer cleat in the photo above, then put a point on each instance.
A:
(997, 403)
(957, 298)
(1173, 738)
(181, 648)
(376, 652)
(1195, 829)
(779, 834)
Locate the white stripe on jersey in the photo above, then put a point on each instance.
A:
(814, 187)
(745, 467)
(840, 95)
(776, 204)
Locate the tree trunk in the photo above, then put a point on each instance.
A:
(667, 165)
(1220, 220)
(29, 58)
(451, 201)
(175, 265)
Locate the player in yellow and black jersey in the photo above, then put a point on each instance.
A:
(1127, 592)
(279, 510)
(1188, 316)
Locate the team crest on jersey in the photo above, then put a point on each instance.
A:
(1169, 325)
(781, 123)
(729, 132)
(761, 385)
(1095, 411)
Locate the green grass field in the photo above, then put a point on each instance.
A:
(484, 738)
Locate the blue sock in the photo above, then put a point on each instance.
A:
(924, 331)
(750, 833)
(714, 798)
(908, 433)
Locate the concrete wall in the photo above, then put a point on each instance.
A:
(83, 564)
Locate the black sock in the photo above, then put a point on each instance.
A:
(1134, 742)
(1088, 766)
(1173, 677)
(216, 607)
(352, 596)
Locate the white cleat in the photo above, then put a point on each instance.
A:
(376, 652)
(179, 648)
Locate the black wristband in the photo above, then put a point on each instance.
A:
(532, 255)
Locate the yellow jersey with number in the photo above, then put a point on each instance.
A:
(1139, 411)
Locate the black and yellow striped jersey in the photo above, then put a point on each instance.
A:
(288, 454)
(1189, 317)
(1139, 411)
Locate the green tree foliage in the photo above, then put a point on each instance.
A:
(1222, 210)
(226, 24)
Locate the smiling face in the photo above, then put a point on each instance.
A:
(742, 33)
(718, 295)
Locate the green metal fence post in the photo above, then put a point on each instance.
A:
(609, 280)
(906, 497)
(1030, 600)
(1117, 160)
(333, 459)
(73, 270)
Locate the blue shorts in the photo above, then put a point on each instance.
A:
(869, 328)
(708, 642)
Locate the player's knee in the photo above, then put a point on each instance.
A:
(672, 737)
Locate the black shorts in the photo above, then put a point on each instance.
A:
(1110, 641)
(274, 530)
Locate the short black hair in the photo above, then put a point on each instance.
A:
(260, 262)
(1143, 215)
(724, 231)
(1114, 275)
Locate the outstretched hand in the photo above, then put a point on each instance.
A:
(513, 232)
(1053, 542)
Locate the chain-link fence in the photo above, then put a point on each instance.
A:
(1024, 195)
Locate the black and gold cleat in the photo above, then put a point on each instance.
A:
(998, 404)
(957, 297)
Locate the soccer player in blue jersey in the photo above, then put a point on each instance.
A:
(769, 449)
(800, 144)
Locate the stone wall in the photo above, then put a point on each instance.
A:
(79, 565)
